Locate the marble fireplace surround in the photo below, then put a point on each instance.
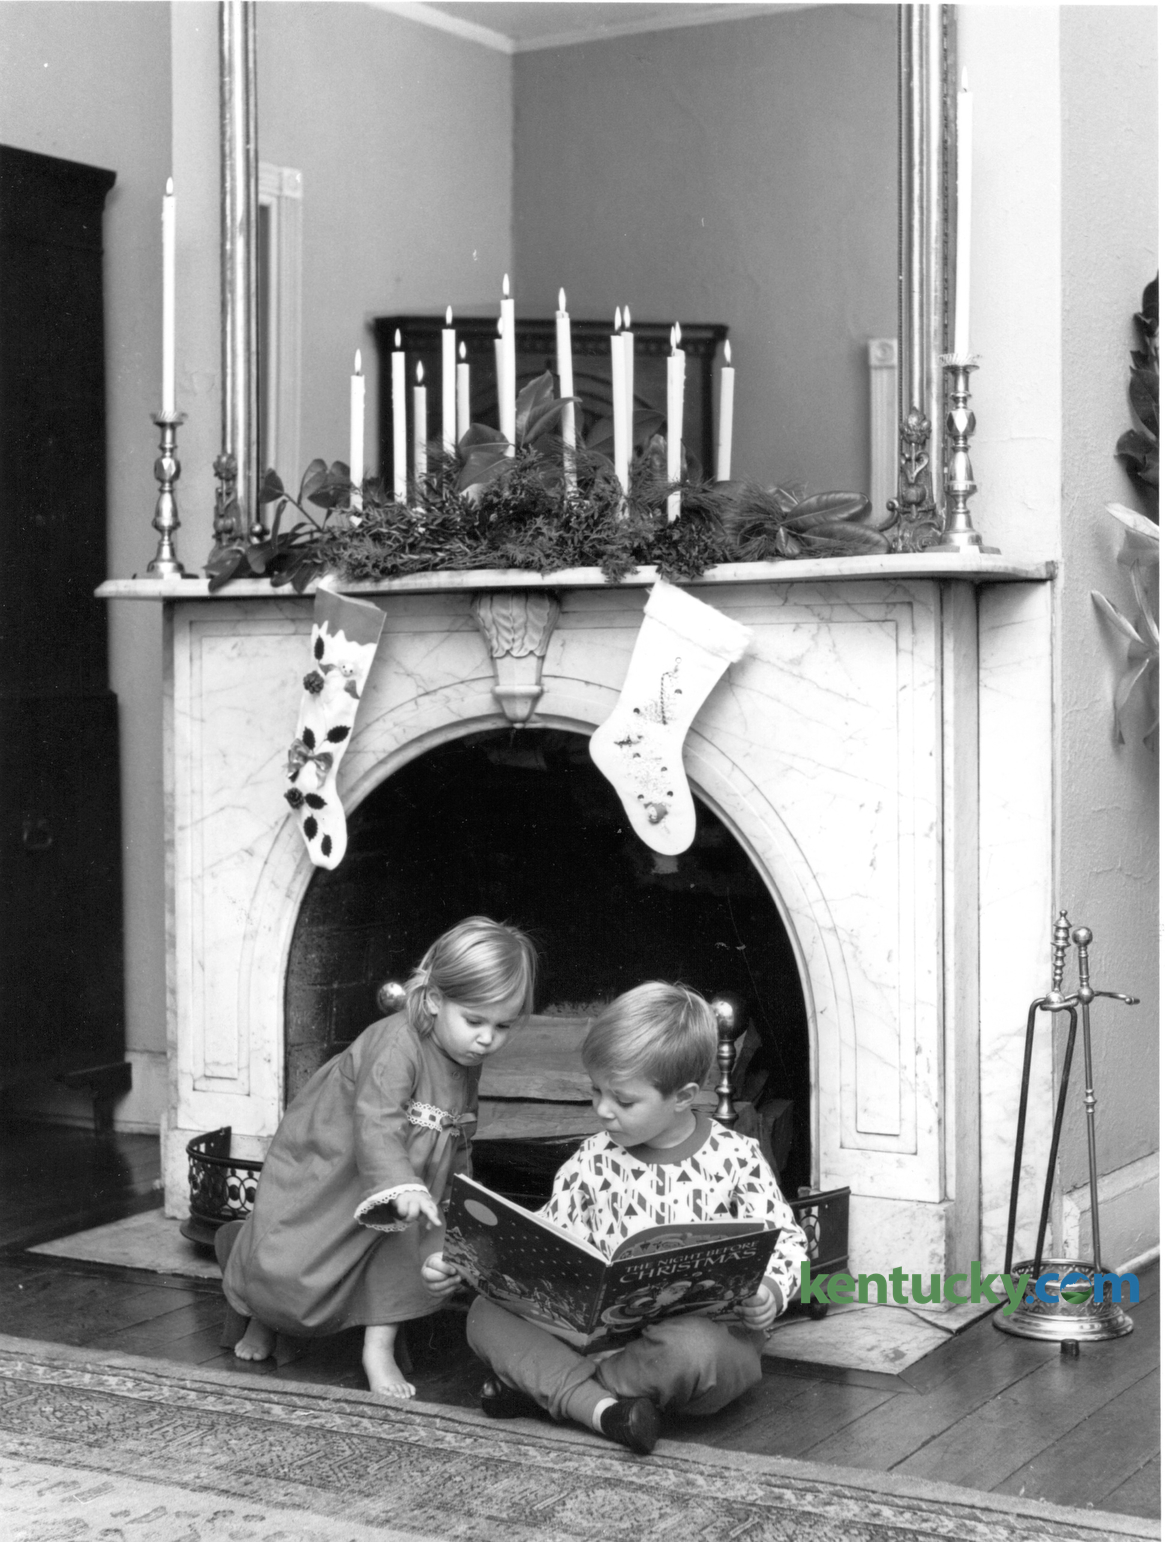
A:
(882, 752)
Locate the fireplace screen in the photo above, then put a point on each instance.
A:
(522, 827)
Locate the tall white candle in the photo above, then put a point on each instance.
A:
(675, 421)
(508, 393)
(500, 372)
(356, 433)
(619, 405)
(400, 458)
(724, 438)
(566, 388)
(168, 254)
(420, 427)
(448, 384)
(629, 361)
(963, 105)
(462, 395)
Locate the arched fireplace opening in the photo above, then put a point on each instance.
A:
(522, 827)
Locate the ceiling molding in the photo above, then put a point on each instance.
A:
(431, 16)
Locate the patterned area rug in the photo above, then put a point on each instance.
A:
(117, 1448)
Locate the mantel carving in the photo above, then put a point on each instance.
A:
(517, 626)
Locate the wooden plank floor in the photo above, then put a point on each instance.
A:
(986, 1410)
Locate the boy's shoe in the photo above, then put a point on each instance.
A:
(633, 1422)
(498, 1401)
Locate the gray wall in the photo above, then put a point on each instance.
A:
(741, 173)
(403, 135)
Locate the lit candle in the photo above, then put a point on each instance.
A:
(356, 433)
(619, 403)
(168, 297)
(675, 421)
(462, 395)
(420, 427)
(629, 359)
(962, 339)
(507, 396)
(400, 459)
(724, 439)
(500, 371)
(566, 388)
(448, 384)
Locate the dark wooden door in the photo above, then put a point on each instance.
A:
(61, 991)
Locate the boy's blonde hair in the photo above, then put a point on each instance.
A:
(665, 1034)
(477, 963)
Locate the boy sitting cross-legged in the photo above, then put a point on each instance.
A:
(658, 1161)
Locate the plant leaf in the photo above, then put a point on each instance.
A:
(222, 566)
(272, 486)
(313, 478)
(1114, 617)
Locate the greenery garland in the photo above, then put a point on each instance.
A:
(488, 506)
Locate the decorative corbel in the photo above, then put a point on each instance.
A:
(517, 626)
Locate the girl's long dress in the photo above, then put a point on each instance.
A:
(363, 1126)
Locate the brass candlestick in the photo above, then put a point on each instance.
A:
(167, 470)
(728, 1011)
(958, 533)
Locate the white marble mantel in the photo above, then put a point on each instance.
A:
(882, 752)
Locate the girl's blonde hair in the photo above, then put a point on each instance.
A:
(665, 1034)
(477, 963)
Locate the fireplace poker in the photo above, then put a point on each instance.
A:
(1063, 1318)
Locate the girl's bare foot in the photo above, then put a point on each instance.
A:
(257, 1343)
(385, 1377)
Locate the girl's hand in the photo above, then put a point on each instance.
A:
(763, 1309)
(439, 1275)
(415, 1203)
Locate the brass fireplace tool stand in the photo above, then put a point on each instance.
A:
(1074, 1315)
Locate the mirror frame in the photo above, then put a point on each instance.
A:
(926, 49)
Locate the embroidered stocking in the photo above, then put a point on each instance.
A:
(683, 648)
(344, 636)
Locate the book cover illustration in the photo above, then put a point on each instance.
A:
(538, 1271)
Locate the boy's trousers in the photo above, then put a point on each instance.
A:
(685, 1365)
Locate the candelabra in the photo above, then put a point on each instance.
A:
(958, 533)
(167, 470)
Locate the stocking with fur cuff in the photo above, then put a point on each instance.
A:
(344, 637)
(683, 648)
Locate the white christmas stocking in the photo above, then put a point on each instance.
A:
(344, 636)
(683, 648)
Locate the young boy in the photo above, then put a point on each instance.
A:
(659, 1160)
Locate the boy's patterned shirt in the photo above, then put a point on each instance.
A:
(604, 1193)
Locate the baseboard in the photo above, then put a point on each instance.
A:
(1129, 1198)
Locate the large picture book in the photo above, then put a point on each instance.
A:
(537, 1270)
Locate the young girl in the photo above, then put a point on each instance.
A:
(367, 1150)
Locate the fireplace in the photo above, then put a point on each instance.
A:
(867, 837)
(518, 824)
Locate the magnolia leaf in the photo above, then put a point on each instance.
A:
(602, 433)
(482, 464)
(645, 425)
(258, 556)
(1114, 617)
(480, 433)
(532, 399)
(1147, 624)
(1143, 398)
